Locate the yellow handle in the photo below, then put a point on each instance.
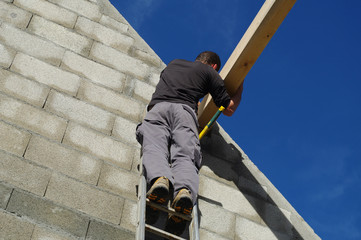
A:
(210, 123)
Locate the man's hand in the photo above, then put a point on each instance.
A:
(235, 100)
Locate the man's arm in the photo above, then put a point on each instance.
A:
(235, 100)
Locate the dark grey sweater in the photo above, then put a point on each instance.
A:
(187, 82)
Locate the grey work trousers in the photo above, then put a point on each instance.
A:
(170, 146)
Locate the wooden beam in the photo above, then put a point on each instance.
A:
(253, 42)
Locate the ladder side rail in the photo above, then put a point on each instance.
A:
(194, 225)
(140, 235)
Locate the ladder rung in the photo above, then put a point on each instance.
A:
(169, 210)
(162, 233)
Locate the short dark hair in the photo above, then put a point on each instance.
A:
(209, 57)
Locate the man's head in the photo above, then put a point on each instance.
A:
(210, 58)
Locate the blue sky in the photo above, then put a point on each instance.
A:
(300, 117)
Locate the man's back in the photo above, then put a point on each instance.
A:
(186, 82)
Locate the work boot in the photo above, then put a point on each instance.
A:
(182, 203)
(158, 193)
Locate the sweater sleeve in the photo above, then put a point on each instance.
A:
(218, 91)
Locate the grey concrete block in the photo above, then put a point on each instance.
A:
(143, 91)
(103, 34)
(81, 7)
(136, 160)
(119, 181)
(114, 24)
(32, 118)
(5, 193)
(101, 146)
(118, 60)
(239, 203)
(219, 169)
(125, 130)
(47, 212)
(233, 173)
(22, 174)
(6, 55)
(220, 146)
(49, 11)
(248, 230)
(154, 78)
(41, 233)
(13, 140)
(277, 219)
(253, 188)
(204, 234)
(216, 219)
(152, 59)
(60, 35)
(129, 216)
(87, 199)
(13, 227)
(62, 159)
(101, 231)
(111, 101)
(31, 44)
(22, 88)
(45, 73)
(95, 72)
(14, 15)
(79, 111)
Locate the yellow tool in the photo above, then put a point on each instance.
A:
(210, 123)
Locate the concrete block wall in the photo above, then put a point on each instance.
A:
(75, 79)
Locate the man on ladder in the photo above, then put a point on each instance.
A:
(169, 133)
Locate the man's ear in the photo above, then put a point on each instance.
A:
(214, 66)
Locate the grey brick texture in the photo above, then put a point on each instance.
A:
(44, 211)
(13, 227)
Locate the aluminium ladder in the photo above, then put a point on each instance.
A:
(142, 227)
